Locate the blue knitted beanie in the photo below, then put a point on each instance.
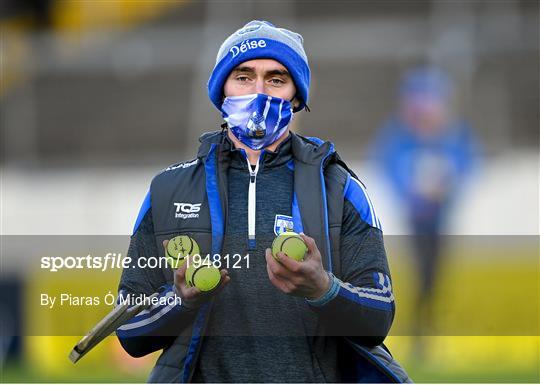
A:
(261, 40)
(427, 81)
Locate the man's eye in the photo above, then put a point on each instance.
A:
(277, 81)
(242, 78)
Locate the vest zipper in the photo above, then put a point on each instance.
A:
(252, 203)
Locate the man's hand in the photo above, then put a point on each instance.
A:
(302, 279)
(192, 297)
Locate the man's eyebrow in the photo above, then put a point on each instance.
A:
(244, 69)
(278, 72)
(251, 70)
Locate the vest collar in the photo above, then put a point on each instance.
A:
(208, 139)
(304, 149)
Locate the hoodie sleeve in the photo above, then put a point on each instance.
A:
(157, 327)
(359, 304)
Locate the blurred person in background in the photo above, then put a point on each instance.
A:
(426, 153)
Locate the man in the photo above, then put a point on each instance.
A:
(268, 321)
(427, 155)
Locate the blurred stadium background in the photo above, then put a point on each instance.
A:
(99, 96)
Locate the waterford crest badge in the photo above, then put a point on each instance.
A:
(283, 223)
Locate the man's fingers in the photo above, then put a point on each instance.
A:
(285, 280)
(188, 292)
(310, 243)
(165, 243)
(224, 278)
(313, 252)
(181, 271)
(276, 281)
(180, 278)
(289, 263)
(277, 269)
(271, 262)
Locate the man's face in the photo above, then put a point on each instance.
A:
(425, 114)
(260, 76)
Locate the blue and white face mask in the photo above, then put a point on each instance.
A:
(257, 120)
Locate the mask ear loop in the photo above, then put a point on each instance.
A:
(224, 125)
(224, 128)
(295, 109)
